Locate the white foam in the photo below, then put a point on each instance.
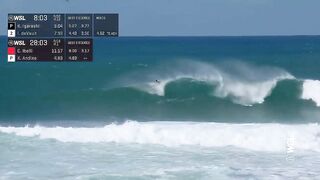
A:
(311, 91)
(248, 93)
(259, 137)
(249, 85)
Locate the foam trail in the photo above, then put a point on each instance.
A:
(311, 91)
(258, 137)
(244, 84)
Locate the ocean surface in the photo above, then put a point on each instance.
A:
(165, 108)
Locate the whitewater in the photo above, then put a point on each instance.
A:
(256, 137)
(161, 150)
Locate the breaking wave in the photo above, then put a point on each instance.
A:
(243, 83)
(258, 137)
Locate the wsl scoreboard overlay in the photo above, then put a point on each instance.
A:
(57, 37)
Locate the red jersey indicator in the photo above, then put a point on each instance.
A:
(11, 51)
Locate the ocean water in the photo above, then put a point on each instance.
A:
(165, 108)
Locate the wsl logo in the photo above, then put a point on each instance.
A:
(19, 18)
(19, 43)
(16, 18)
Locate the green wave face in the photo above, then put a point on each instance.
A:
(184, 99)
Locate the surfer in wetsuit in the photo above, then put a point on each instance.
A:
(157, 81)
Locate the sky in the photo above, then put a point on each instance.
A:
(187, 17)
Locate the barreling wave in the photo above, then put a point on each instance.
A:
(243, 83)
(256, 137)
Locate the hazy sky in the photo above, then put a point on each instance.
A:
(188, 17)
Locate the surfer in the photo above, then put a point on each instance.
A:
(157, 81)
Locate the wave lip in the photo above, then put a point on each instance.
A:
(311, 91)
(258, 137)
